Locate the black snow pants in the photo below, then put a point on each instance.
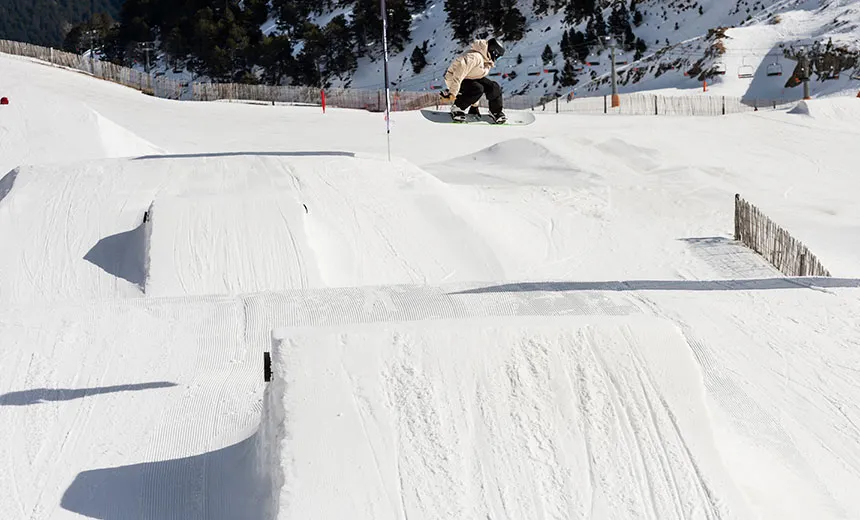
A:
(471, 91)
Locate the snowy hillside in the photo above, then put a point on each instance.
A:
(676, 36)
(545, 321)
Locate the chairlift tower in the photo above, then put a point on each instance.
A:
(147, 47)
(803, 55)
(91, 36)
(616, 100)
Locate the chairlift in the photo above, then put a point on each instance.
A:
(745, 71)
(774, 69)
(435, 85)
(534, 70)
(497, 72)
(720, 68)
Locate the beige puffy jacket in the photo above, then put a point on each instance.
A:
(474, 64)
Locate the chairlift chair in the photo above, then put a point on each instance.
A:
(745, 71)
(720, 68)
(497, 71)
(774, 69)
(534, 70)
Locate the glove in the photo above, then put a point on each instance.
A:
(446, 95)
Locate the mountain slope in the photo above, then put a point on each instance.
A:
(676, 36)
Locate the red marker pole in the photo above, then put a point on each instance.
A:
(322, 95)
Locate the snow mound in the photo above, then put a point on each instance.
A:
(515, 162)
(837, 109)
(802, 109)
(530, 417)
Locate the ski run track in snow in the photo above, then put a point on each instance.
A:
(550, 321)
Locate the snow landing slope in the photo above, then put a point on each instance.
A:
(533, 418)
(613, 233)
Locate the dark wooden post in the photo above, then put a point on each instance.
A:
(737, 216)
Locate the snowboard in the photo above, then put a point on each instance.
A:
(444, 116)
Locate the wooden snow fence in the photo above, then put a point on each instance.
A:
(756, 231)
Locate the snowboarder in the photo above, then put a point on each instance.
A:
(466, 79)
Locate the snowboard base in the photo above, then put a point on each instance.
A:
(444, 116)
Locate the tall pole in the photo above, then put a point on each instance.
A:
(616, 100)
(147, 47)
(387, 94)
(805, 68)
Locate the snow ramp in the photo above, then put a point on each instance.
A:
(598, 417)
(273, 222)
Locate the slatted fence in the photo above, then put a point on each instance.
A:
(755, 230)
(374, 99)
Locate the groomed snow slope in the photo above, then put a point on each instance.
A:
(530, 418)
(128, 405)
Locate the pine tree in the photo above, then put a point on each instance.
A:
(564, 47)
(619, 21)
(578, 10)
(547, 55)
(595, 29)
(276, 58)
(419, 59)
(340, 57)
(464, 18)
(513, 25)
(577, 42)
(629, 39)
(291, 15)
(638, 18)
(568, 75)
(367, 25)
(641, 47)
(541, 7)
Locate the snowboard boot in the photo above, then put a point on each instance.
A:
(500, 117)
(458, 114)
(473, 111)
